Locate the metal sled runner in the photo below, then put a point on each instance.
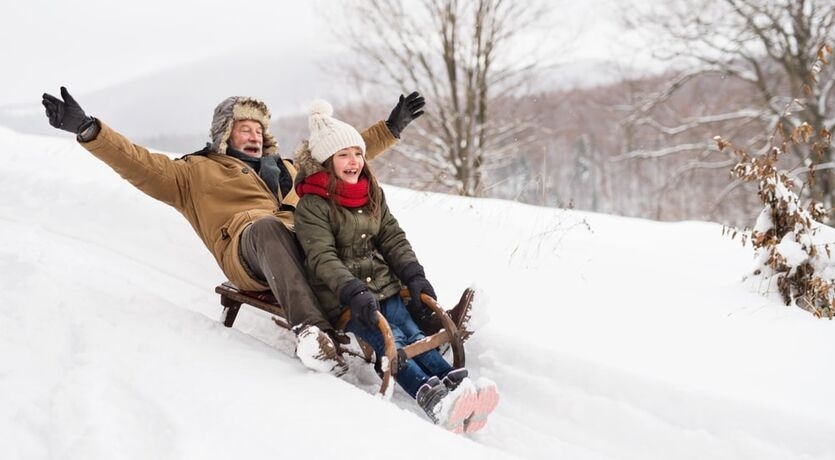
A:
(451, 331)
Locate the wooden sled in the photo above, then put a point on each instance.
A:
(231, 298)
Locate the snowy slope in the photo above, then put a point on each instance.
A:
(608, 337)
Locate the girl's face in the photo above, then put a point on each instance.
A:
(348, 163)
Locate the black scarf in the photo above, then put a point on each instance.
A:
(270, 168)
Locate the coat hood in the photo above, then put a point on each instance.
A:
(305, 163)
(237, 108)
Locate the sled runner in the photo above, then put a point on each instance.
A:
(449, 331)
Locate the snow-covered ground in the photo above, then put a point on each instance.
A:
(608, 337)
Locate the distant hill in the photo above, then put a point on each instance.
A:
(175, 106)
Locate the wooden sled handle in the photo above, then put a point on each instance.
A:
(390, 361)
(449, 334)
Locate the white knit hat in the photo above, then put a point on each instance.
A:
(329, 135)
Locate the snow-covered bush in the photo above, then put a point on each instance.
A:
(792, 245)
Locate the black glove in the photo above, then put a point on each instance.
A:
(415, 279)
(66, 114)
(361, 301)
(407, 109)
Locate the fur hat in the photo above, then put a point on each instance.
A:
(237, 108)
(329, 135)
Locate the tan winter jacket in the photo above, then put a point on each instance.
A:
(219, 195)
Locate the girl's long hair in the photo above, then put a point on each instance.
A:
(374, 191)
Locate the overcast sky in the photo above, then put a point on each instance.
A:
(93, 44)
(98, 43)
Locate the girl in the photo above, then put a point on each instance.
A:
(357, 257)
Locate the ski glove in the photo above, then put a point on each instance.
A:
(417, 283)
(66, 114)
(361, 301)
(407, 109)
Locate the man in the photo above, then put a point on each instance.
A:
(237, 193)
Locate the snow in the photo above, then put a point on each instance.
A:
(608, 337)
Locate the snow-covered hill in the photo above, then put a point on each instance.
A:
(608, 337)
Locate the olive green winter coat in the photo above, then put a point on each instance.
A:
(219, 195)
(343, 243)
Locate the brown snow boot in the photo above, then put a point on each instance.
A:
(317, 350)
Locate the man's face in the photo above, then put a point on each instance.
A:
(248, 137)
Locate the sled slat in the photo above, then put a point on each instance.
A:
(230, 292)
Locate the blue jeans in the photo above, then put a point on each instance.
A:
(414, 372)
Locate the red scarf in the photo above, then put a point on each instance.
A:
(348, 195)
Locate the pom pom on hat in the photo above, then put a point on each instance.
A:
(329, 135)
(321, 107)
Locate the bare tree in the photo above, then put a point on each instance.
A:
(766, 49)
(470, 59)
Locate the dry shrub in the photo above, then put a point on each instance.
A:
(792, 244)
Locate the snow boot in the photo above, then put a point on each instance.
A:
(430, 323)
(449, 409)
(487, 398)
(318, 351)
(454, 378)
(460, 314)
